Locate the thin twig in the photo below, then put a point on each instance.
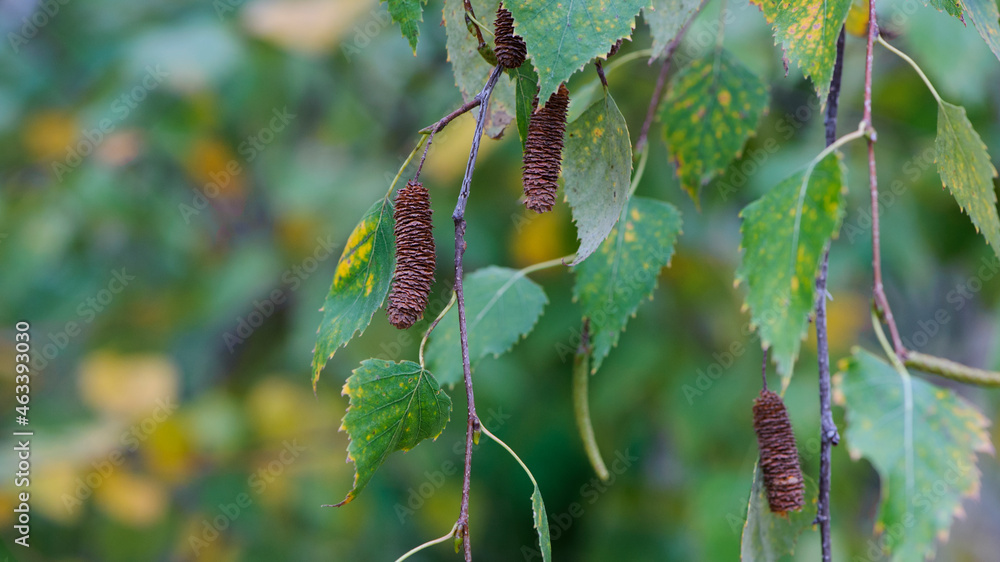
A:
(878, 291)
(473, 428)
(763, 371)
(951, 370)
(472, 16)
(668, 54)
(829, 436)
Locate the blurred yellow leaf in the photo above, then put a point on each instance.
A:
(168, 452)
(311, 26)
(132, 499)
(857, 18)
(211, 161)
(450, 151)
(536, 238)
(846, 319)
(54, 491)
(48, 135)
(130, 386)
(278, 409)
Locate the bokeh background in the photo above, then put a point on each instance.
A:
(173, 171)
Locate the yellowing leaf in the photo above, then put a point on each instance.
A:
(360, 284)
(394, 406)
(857, 18)
(130, 386)
(808, 31)
(613, 282)
(665, 19)
(710, 110)
(563, 36)
(784, 235)
(597, 169)
(134, 500)
(966, 169)
(922, 440)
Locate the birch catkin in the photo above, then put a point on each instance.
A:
(779, 458)
(415, 258)
(510, 49)
(543, 152)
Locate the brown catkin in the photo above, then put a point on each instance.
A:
(779, 459)
(415, 258)
(543, 152)
(511, 50)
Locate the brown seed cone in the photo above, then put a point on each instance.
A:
(510, 49)
(779, 459)
(543, 152)
(415, 258)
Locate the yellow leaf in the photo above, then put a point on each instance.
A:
(129, 386)
(49, 135)
(857, 18)
(132, 499)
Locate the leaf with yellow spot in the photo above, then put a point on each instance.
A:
(502, 306)
(923, 440)
(966, 169)
(394, 406)
(471, 70)
(623, 272)
(808, 31)
(984, 16)
(360, 284)
(768, 536)
(564, 36)
(711, 108)
(597, 168)
(784, 235)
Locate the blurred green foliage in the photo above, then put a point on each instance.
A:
(177, 179)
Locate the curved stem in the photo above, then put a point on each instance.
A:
(915, 66)
(429, 544)
(512, 453)
(406, 163)
(951, 370)
(639, 170)
(427, 334)
(581, 405)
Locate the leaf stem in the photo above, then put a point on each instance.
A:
(915, 66)
(427, 334)
(489, 434)
(429, 544)
(581, 405)
(473, 425)
(406, 163)
(639, 171)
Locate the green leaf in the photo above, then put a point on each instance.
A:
(564, 36)
(408, 14)
(394, 406)
(984, 16)
(541, 524)
(784, 235)
(922, 440)
(951, 7)
(808, 31)
(665, 19)
(623, 272)
(360, 284)
(525, 87)
(768, 537)
(597, 168)
(966, 169)
(471, 71)
(501, 307)
(710, 110)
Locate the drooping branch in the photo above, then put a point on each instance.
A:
(829, 436)
(878, 290)
(473, 426)
(661, 81)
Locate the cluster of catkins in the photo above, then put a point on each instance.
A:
(415, 258)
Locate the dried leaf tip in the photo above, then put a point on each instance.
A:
(779, 458)
(543, 152)
(510, 49)
(415, 257)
